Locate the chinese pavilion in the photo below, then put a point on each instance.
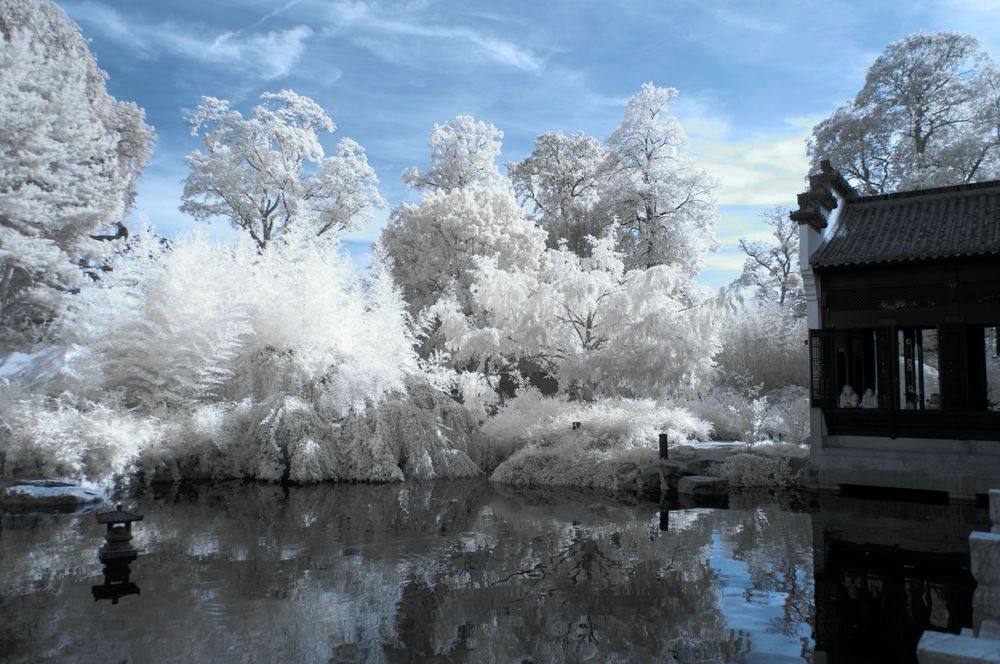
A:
(903, 305)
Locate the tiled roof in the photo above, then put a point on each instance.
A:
(927, 224)
(118, 515)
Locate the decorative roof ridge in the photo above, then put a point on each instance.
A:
(929, 191)
(829, 177)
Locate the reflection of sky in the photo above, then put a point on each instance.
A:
(755, 610)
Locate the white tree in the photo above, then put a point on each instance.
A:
(763, 348)
(926, 116)
(468, 209)
(163, 328)
(268, 172)
(598, 327)
(772, 269)
(661, 200)
(433, 244)
(195, 322)
(71, 158)
(463, 152)
(560, 182)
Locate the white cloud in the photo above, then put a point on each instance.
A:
(359, 16)
(272, 53)
(268, 55)
(733, 225)
(765, 169)
(728, 261)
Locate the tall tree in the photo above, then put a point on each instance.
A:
(463, 152)
(928, 115)
(433, 244)
(559, 183)
(772, 269)
(268, 172)
(594, 325)
(468, 209)
(661, 200)
(69, 164)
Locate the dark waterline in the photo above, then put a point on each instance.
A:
(469, 571)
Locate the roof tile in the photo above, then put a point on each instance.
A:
(947, 222)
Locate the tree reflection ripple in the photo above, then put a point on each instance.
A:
(445, 571)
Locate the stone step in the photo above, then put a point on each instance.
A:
(943, 648)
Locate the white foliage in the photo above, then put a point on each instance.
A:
(664, 204)
(772, 269)
(763, 343)
(928, 115)
(434, 243)
(71, 158)
(534, 439)
(479, 392)
(597, 327)
(753, 470)
(268, 172)
(751, 417)
(66, 437)
(463, 152)
(561, 183)
(269, 364)
(171, 327)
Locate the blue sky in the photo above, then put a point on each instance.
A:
(753, 78)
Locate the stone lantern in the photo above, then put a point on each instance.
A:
(116, 554)
(118, 539)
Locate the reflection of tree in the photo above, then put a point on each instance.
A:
(444, 571)
(776, 546)
(580, 582)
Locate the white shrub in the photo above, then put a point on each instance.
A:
(64, 436)
(763, 344)
(533, 440)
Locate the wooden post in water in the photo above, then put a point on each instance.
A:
(664, 451)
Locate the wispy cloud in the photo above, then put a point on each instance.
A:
(359, 16)
(268, 55)
(765, 169)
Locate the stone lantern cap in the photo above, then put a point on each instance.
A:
(118, 515)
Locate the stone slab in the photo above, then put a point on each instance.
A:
(703, 486)
(31, 497)
(985, 604)
(942, 648)
(990, 629)
(984, 554)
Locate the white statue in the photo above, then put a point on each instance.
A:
(848, 398)
(870, 399)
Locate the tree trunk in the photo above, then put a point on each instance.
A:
(8, 277)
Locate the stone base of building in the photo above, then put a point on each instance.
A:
(965, 469)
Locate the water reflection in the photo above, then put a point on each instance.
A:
(116, 582)
(449, 571)
(885, 575)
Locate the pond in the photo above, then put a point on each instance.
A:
(470, 571)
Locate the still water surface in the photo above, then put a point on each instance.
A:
(446, 571)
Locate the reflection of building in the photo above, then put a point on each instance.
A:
(903, 295)
(885, 573)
